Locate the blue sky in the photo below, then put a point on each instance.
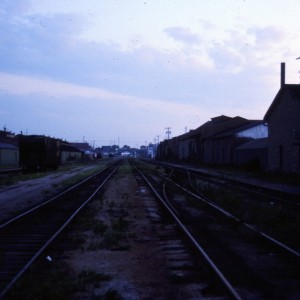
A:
(122, 71)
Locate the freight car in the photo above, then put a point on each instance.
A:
(38, 152)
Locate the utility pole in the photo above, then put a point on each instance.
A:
(168, 132)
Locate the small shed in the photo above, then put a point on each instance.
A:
(86, 150)
(9, 155)
(69, 153)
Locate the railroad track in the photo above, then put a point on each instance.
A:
(250, 263)
(281, 195)
(184, 265)
(246, 266)
(25, 237)
(273, 212)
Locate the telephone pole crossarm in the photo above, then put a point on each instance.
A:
(168, 132)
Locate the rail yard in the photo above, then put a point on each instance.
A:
(133, 229)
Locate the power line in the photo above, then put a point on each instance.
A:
(168, 132)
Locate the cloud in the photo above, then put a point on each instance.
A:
(71, 111)
(267, 36)
(227, 59)
(207, 25)
(28, 86)
(14, 7)
(50, 47)
(183, 35)
(107, 86)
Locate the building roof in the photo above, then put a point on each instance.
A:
(68, 147)
(217, 125)
(292, 89)
(82, 146)
(234, 130)
(8, 146)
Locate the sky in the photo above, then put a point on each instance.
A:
(123, 71)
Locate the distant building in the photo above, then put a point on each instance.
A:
(69, 153)
(214, 141)
(86, 150)
(151, 150)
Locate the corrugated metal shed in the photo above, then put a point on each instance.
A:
(9, 155)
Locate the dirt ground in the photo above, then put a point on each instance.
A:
(134, 262)
(17, 197)
(115, 250)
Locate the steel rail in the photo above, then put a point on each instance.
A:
(55, 235)
(166, 198)
(229, 215)
(214, 267)
(19, 216)
(277, 194)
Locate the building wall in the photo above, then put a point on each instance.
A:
(257, 156)
(220, 151)
(184, 149)
(67, 156)
(9, 157)
(283, 123)
(168, 149)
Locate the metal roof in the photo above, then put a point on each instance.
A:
(8, 146)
